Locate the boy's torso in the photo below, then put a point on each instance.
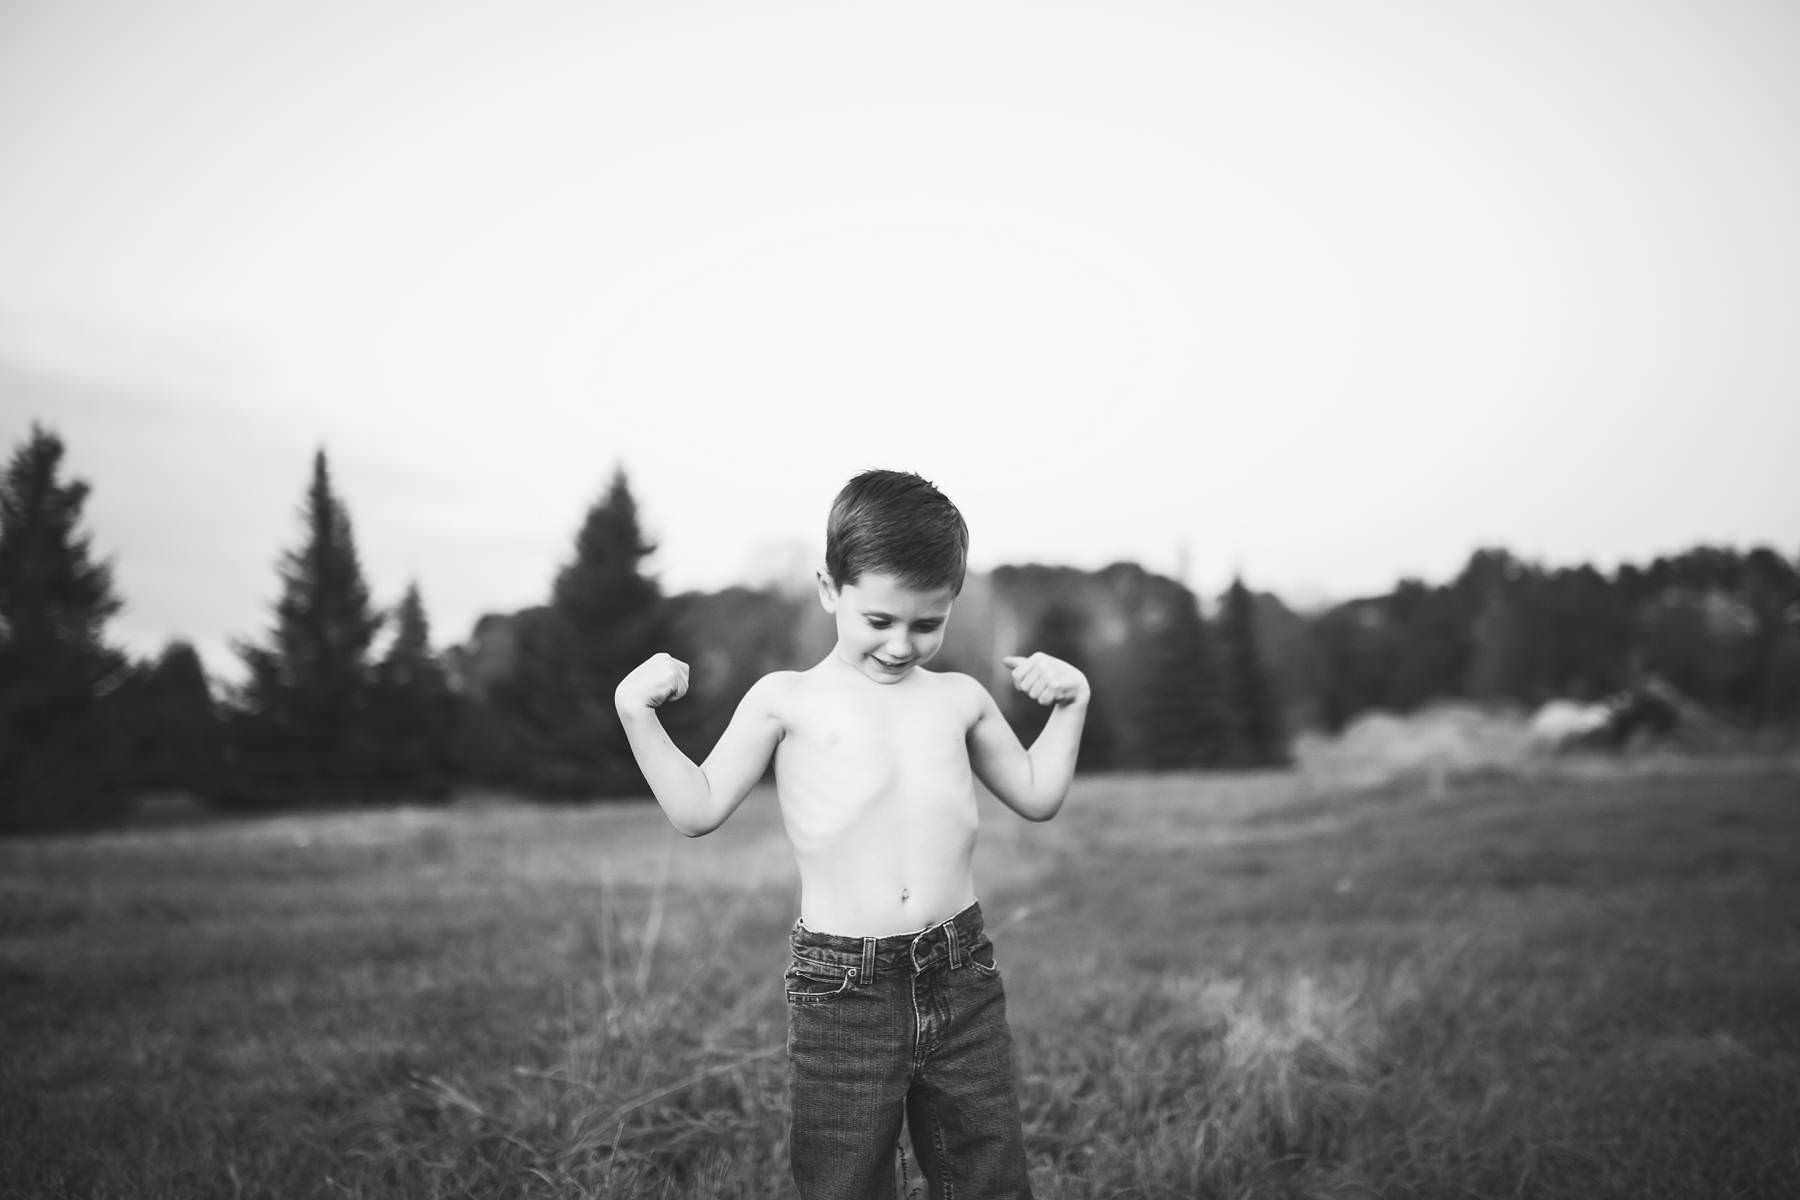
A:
(878, 798)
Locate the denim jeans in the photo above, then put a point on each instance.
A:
(911, 1026)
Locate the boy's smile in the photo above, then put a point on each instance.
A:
(885, 628)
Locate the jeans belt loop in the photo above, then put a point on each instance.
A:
(955, 945)
(868, 960)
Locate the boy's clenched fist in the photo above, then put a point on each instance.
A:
(1047, 679)
(652, 683)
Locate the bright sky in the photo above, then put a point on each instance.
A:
(1332, 293)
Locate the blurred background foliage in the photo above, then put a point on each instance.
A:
(344, 702)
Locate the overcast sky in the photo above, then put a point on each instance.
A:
(1330, 293)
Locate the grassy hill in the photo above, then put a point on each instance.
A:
(1581, 984)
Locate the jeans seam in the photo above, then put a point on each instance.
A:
(918, 1025)
(943, 1159)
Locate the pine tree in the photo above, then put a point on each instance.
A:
(1255, 709)
(605, 616)
(302, 721)
(173, 724)
(58, 756)
(409, 662)
(1182, 711)
(1491, 592)
(414, 711)
(1772, 591)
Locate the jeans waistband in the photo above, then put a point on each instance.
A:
(947, 941)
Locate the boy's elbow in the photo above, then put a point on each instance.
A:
(694, 813)
(692, 828)
(1049, 806)
(691, 823)
(1038, 809)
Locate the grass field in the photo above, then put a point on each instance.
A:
(1584, 983)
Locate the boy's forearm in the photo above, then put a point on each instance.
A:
(680, 787)
(1053, 755)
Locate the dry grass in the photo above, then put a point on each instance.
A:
(1570, 984)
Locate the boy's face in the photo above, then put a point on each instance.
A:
(884, 627)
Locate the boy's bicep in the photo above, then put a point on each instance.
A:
(742, 752)
(996, 755)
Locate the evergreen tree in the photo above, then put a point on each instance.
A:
(1182, 703)
(1586, 635)
(174, 724)
(409, 662)
(302, 727)
(59, 758)
(1772, 592)
(1250, 695)
(1499, 657)
(1422, 649)
(414, 712)
(1359, 652)
(605, 616)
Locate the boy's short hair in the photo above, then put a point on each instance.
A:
(894, 522)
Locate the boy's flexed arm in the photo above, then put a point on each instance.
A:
(1032, 782)
(696, 799)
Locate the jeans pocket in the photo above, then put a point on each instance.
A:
(981, 957)
(810, 984)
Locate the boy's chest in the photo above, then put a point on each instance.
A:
(892, 734)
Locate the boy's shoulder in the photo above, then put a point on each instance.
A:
(962, 683)
(968, 691)
(774, 687)
(960, 694)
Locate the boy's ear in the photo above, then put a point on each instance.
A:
(828, 592)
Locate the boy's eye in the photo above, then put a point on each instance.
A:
(921, 627)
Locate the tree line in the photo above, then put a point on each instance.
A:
(1718, 626)
(320, 717)
(345, 702)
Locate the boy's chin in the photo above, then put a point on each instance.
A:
(882, 673)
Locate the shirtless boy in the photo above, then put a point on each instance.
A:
(895, 1006)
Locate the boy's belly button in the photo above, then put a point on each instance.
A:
(905, 894)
